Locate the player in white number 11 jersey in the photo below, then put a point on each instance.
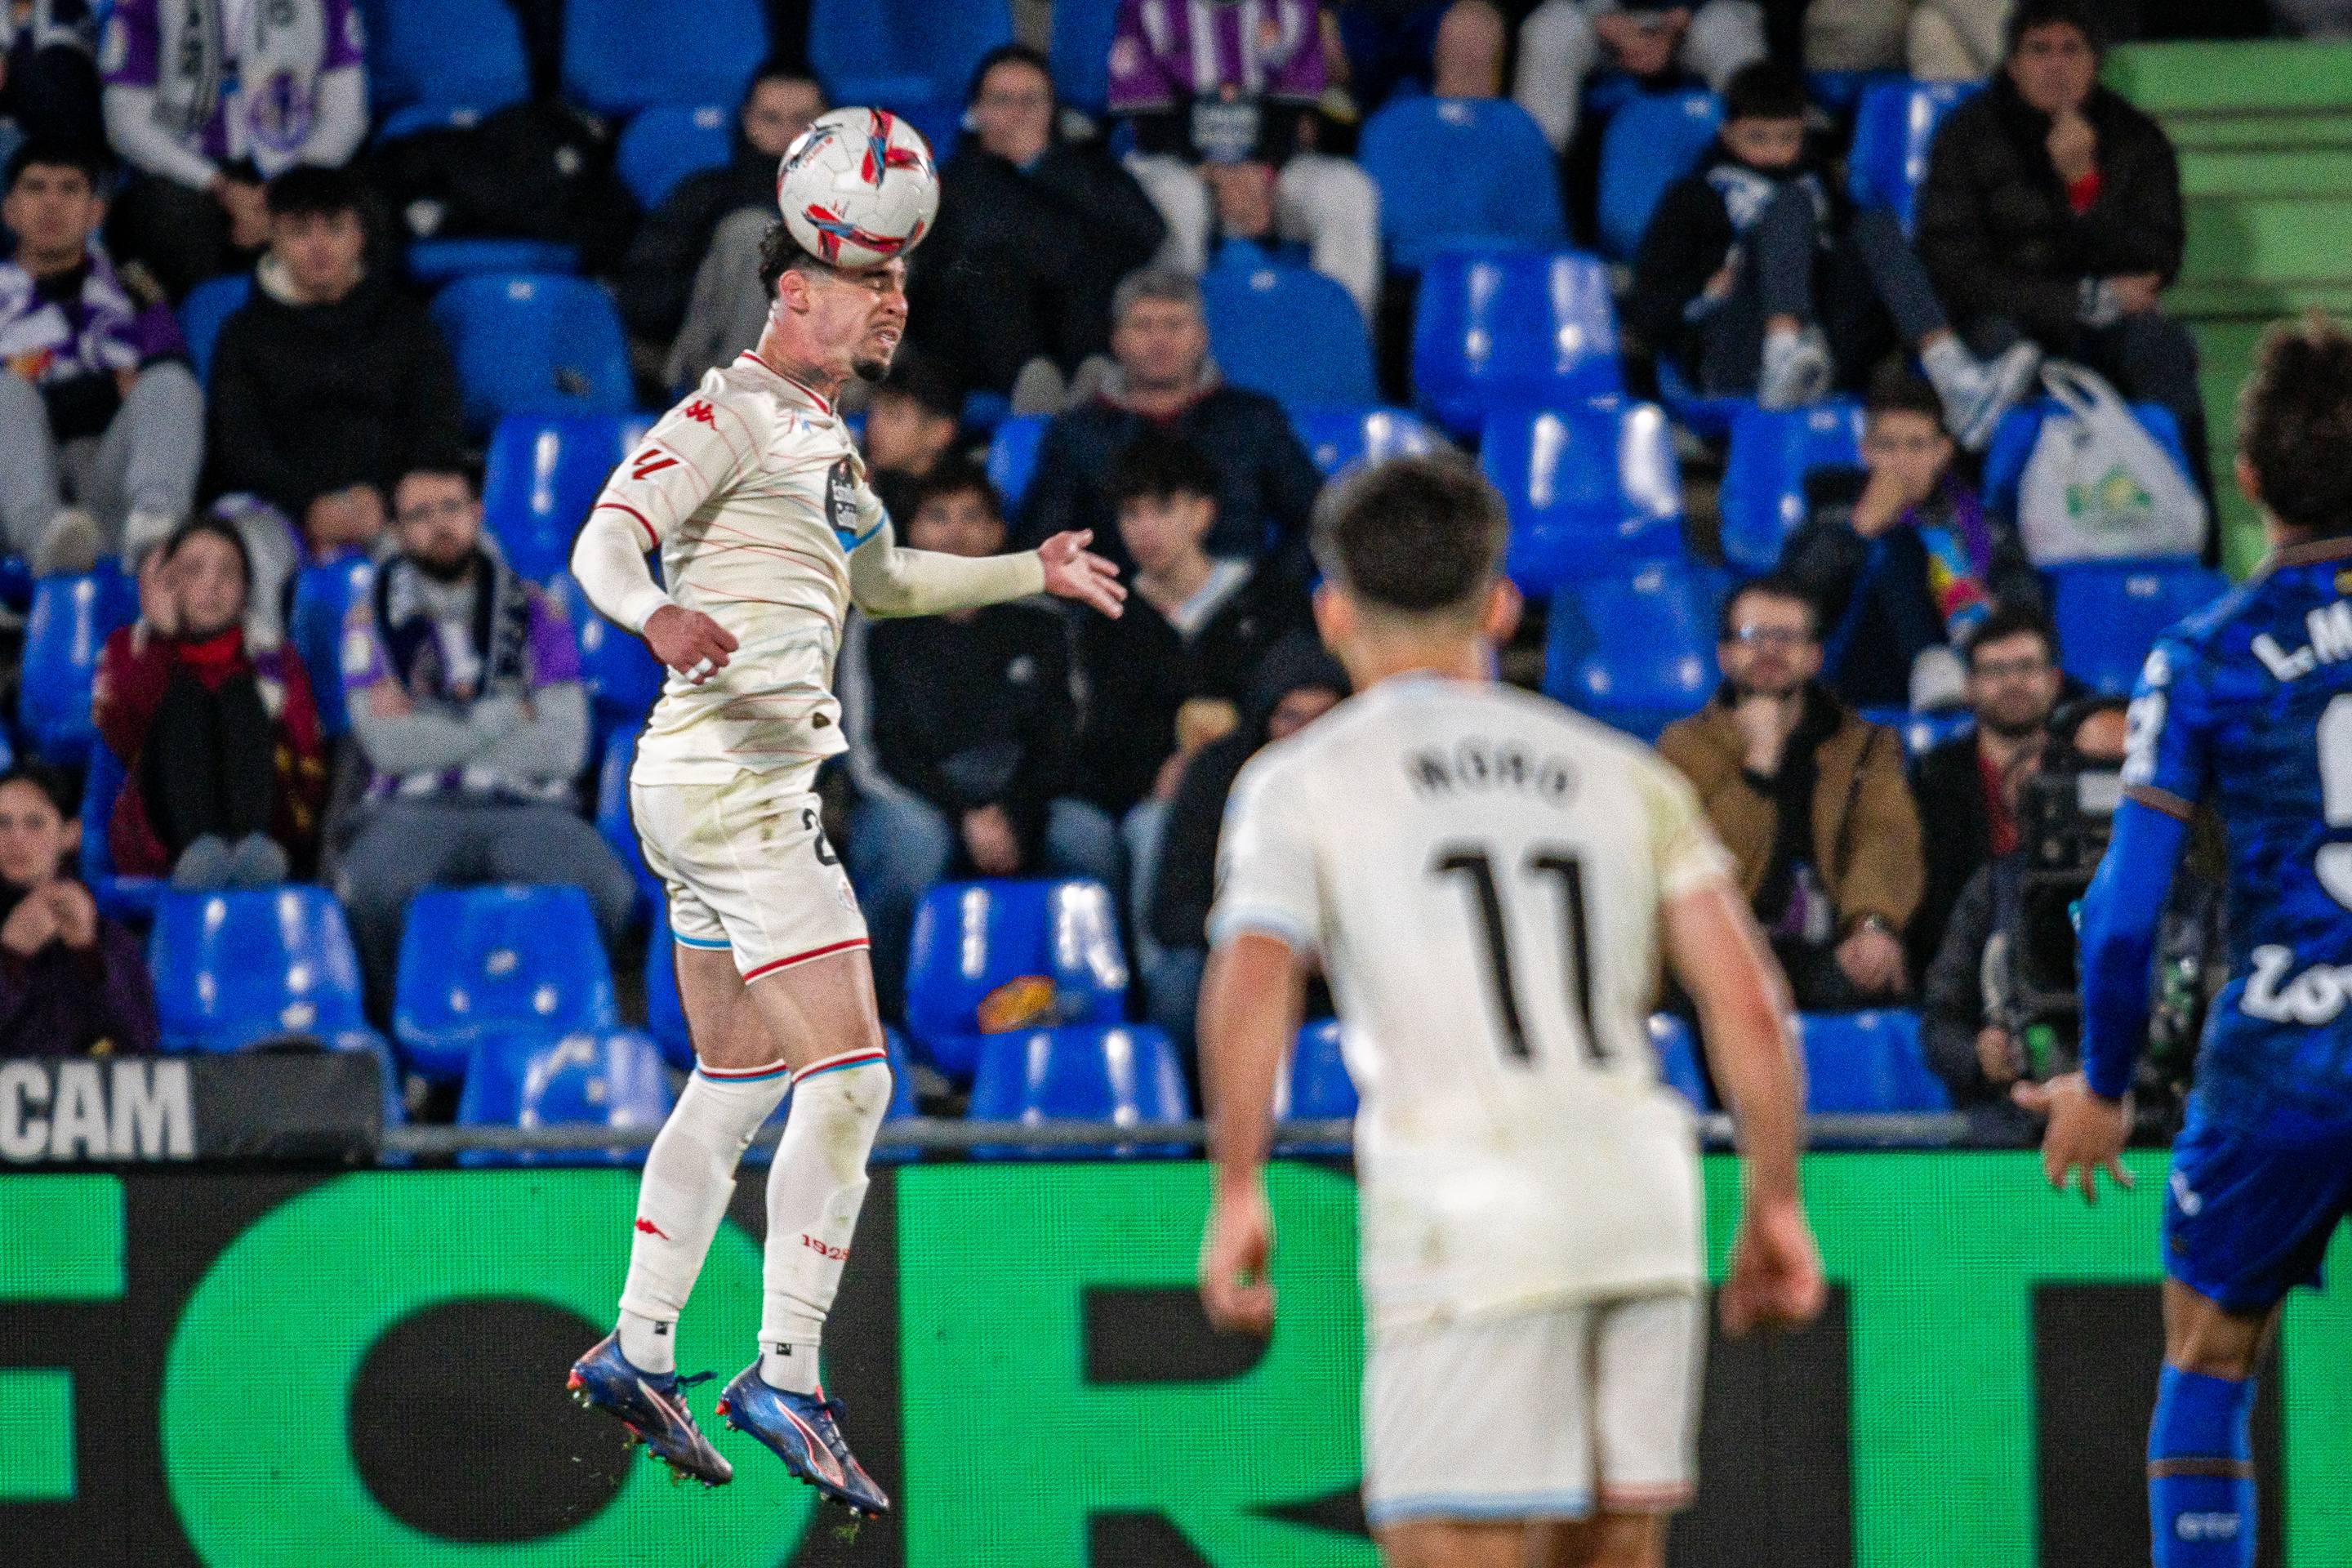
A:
(1490, 883)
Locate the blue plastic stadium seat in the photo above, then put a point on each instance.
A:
(2110, 613)
(235, 967)
(1287, 332)
(1867, 1062)
(612, 818)
(621, 673)
(1893, 130)
(1648, 144)
(1119, 1075)
(445, 53)
(1314, 1085)
(205, 311)
(433, 262)
(903, 51)
(1080, 52)
(1336, 437)
(1707, 416)
(534, 344)
(972, 938)
(2020, 427)
(1584, 485)
(939, 121)
(71, 620)
(543, 473)
(1678, 1065)
(1840, 91)
(1458, 172)
(612, 1078)
(1764, 477)
(324, 595)
(1635, 647)
(1012, 455)
(125, 898)
(669, 141)
(1495, 330)
(621, 55)
(477, 962)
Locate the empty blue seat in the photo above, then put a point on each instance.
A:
(613, 819)
(1336, 437)
(323, 595)
(621, 55)
(1119, 1075)
(125, 897)
(543, 473)
(1314, 1085)
(71, 620)
(622, 676)
(433, 262)
(477, 962)
(1287, 332)
(1635, 647)
(903, 51)
(1708, 416)
(2014, 440)
(235, 967)
(669, 141)
(1649, 143)
(445, 54)
(972, 938)
(1584, 485)
(1012, 455)
(1458, 172)
(205, 311)
(2110, 613)
(613, 1078)
(1764, 477)
(534, 344)
(1080, 51)
(1861, 1063)
(1495, 330)
(1678, 1064)
(1893, 130)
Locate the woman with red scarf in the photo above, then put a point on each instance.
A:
(226, 769)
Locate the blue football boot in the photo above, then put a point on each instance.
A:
(652, 1405)
(804, 1431)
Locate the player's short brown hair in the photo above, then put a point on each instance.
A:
(779, 253)
(1418, 536)
(2294, 425)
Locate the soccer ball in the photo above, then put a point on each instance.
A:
(858, 187)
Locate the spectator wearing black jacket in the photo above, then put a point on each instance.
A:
(966, 729)
(328, 385)
(1033, 234)
(911, 426)
(2053, 212)
(1265, 483)
(71, 980)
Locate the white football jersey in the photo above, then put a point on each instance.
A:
(1482, 872)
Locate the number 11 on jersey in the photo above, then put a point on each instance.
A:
(1475, 866)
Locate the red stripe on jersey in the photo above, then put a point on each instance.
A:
(633, 511)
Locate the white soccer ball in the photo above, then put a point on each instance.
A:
(858, 187)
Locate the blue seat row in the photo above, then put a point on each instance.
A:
(1856, 1064)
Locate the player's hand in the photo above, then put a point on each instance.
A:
(1074, 572)
(1775, 1279)
(689, 642)
(2085, 1134)
(1233, 1256)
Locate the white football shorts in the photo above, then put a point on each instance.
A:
(1538, 1414)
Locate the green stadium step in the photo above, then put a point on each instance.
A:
(2282, 240)
(2254, 172)
(2317, 133)
(2211, 79)
(2244, 300)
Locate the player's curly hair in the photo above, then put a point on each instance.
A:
(1420, 536)
(2294, 425)
(779, 253)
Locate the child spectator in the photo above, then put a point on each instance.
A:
(911, 425)
(71, 980)
(1565, 41)
(1756, 274)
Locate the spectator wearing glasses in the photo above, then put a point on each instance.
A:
(1810, 801)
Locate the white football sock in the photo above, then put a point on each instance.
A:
(815, 1191)
(689, 1177)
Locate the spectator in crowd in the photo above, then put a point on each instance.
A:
(48, 71)
(329, 384)
(1296, 684)
(1565, 41)
(1757, 274)
(964, 730)
(96, 400)
(1012, 289)
(2052, 213)
(1936, 40)
(1968, 787)
(223, 763)
(1374, 47)
(1222, 98)
(1466, 59)
(463, 684)
(206, 99)
(1165, 381)
(1900, 555)
(656, 278)
(71, 980)
(911, 424)
(1810, 801)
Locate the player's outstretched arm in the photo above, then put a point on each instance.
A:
(887, 581)
(1250, 1001)
(1720, 958)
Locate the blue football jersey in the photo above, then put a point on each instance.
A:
(2247, 704)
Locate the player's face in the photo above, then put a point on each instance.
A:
(438, 521)
(856, 319)
(1162, 532)
(207, 576)
(32, 836)
(1159, 343)
(2012, 684)
(962, 523)
(1773, 648)
(2053, 67)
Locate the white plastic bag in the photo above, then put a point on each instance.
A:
(2098, 485)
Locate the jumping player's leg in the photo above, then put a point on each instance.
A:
(1605, 1540)
(2200, 1464)
(1452, 1543)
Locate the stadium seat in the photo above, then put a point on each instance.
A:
(1678, 1064)
(442, 54)
(71, 620)
(1598, 482)
(1860, 1063)
(236, 967)
(621, 55)
(1763, 495)
(612, 820)
(476, 962)
(205, 311)
(612, 1078)
(1314, 1085)
(1922, 733)
(1840, 91)
(125, 898)
(1495, 330)
(1651, 142)
(534, 344)
(1336, 437)
(433, 262)
(972, 939)
(1119, 1075)
(2110, 613)
(669, 141)
(1013, 456)
(903, 51)
(622, 676)
(1458, 172)
(1287, 332)
(324, 595)
(2020, 427)
(1707, 416)
(1080, 52)
(542, 476)
(939, 121)
(1635, 647)
(665, 1013)
(1894, 129)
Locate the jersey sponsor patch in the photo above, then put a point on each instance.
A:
(841, 505)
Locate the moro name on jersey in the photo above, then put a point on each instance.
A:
(1473, 765)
